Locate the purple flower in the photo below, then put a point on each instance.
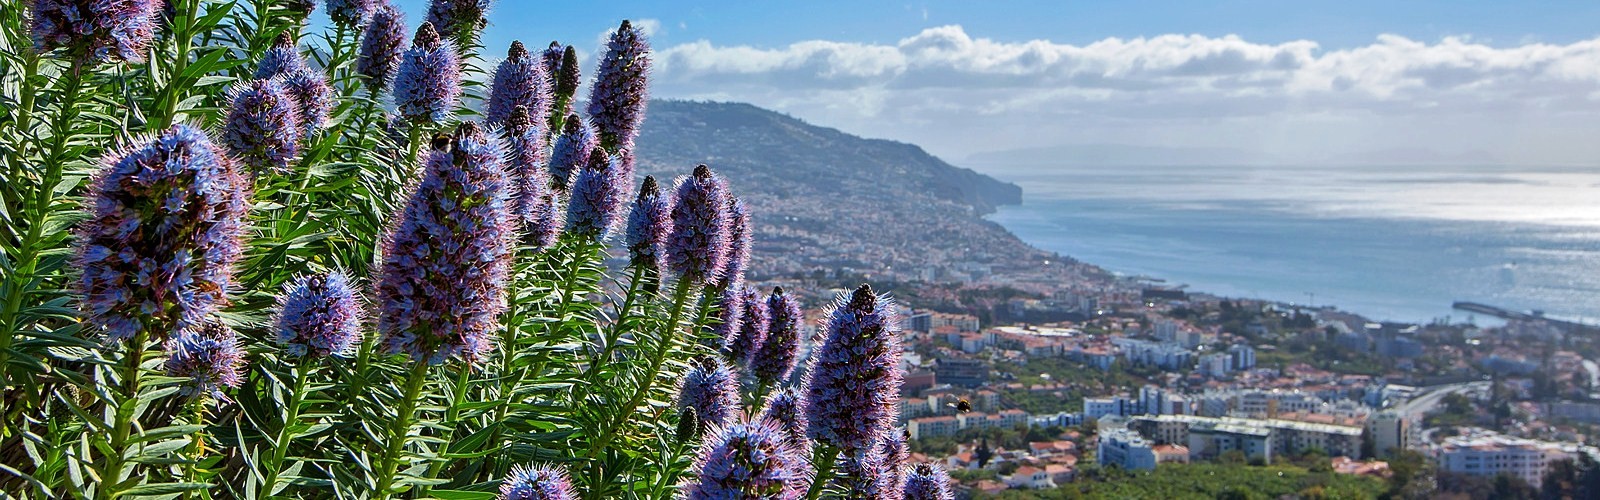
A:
(351, 12)
(713, 391)
(927, 482)
(853, 381)
(459, 20)
(95, 31)
(698, 246)
(428, 84)
(544, 482)
(536, 204)
(551, 60)
(158, 251)
(896, 454)
(320, 315)
(518, 81)
(739, 243)
(308, 86)
(648, 226)
(746, 460)
(448, 257)
(787, 408)
(617, 99)
(752, 327)
(263, 125)
(570, 76)
(597, 197)
(382, 42)
(208, 355)
(780, 351)
(861, 475)
(570, 152)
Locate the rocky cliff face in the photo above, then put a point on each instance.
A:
(822, 198)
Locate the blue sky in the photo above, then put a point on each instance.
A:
(1334, 24)
(1308, 82)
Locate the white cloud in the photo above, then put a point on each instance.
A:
(958, 94)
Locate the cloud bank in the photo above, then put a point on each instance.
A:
(960, 94)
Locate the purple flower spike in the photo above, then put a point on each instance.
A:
(158, 251)
(351, 12)
(382, 42)
(96, 31)
(570, 75)
(648, 226)
(739, 243)
(698, 247)
(752, 328)
(927, 482)
(596, 203)
(319, 315)
(896, 454)
(428, 84)
(518, 81)
(551, 60)
(309, 86)
(788, 409)
(747, 460)
(617, 99)
(861, 475)
(209, 356)
(724, 332)
(544, 482)
(853, 381)
(263, 125)
(570, 152)
(448, 257)
(536, 205)
(780, 351)
(459, 20)
(712, 390)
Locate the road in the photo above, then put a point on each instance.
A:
(1430, 397)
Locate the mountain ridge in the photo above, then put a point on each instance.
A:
(824, 199)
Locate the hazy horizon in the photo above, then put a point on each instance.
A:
(1516, 83)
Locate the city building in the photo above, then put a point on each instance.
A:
(1484, 453)
(961, 372)
(1242, 357)
(1391, 432)
(927, 427)
(1120, 406)
(1126, 449)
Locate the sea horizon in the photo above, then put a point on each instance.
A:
(1389, 243)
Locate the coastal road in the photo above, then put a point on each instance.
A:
(1430, 396)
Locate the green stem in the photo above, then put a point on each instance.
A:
(358, 377)
(286, 434)
(181, 33)
(823, 457)
(451, 415)
(197, 445)
(55, 163)
(400, 428)
(679, 297)
(122, 419)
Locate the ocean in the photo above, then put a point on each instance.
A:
(1390, 243)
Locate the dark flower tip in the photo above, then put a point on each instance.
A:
(518, 120)
(427, 36)
(468, 129)
(598, 160)
(573, 125)
(649, 188)
(625, 25)
(702, 171)
(284, 40)
(555, 44)
(517, 51)
(863, 299)
(441, 142)
(777, 290)
(688, 423)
